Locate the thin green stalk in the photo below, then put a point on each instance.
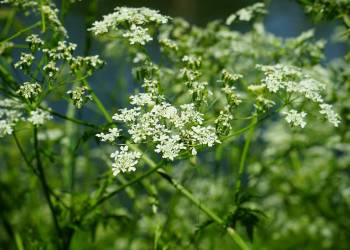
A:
(232, 233)
(72, 119)
(189, 196)
(121, 188)
(30, 165)
(244, 157)
(9, 23)
(239, 241)
(99, 104)
(43, 22)
(44, 183)
(68, 150)
(20, 32)
(26, 160)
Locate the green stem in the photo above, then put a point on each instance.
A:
(43, 23)
(189, 196)
(44, 184)
(26, 160)
(99, 104)
(30, 165)
(20, 32)
(244, 157)
(121, 188)
(232, 233)
(9, 23)
(74, 120)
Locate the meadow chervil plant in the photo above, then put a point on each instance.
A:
(231, 121)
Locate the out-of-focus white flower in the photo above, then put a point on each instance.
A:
(295, 118)
(5, 128)
(39, 117)
(332, 117)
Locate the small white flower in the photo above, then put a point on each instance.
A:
(5, 128)
(203, 135)
(29, 90)
(142, 99)
(79, 96)
(169, 146)
(127, 115)
(39, 117)
(138, 35)
(25, 61)
(193, 151)
(50, 68)
(332, 117)
(189, 114)
(34, 41)
(295, 118)
(124, 160)
(111, 136)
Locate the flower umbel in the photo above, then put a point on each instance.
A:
(124, 160)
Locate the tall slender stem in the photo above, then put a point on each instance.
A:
(244, 157)
(232, 233)
(44, 183)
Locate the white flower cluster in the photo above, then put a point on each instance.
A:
(34, 41)
(25, 61)
(124, 160)
(13, 111)
(51, 69)
(331, 116)
(29, 90)
(170, 129)
(79, 96)
(10, 113)
(247, 14)
(135, 19)
(39, 117)
(137, 35)
(295, 118)
(111, 136)
(62, 52)
(223, 122)
(294, 81)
